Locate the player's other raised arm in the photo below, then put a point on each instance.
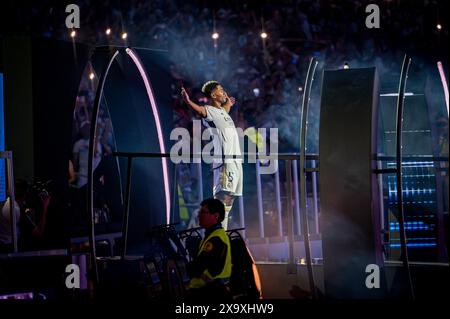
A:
(201, 110)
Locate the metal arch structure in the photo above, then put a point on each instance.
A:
(90, 202)
(137, 61)
(399, 179)
(303, 126)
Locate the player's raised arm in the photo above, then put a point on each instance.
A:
(197, 108)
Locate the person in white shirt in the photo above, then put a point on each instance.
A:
(228, 177)
(80, 155)
(20, 190)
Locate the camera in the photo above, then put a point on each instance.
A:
(35, 192)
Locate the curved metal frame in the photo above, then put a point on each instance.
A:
(399, 179)
(99, 93)
(90, 186)
(137, 61)
(304, 117)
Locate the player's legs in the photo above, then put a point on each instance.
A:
(227, 199)
(227, 186)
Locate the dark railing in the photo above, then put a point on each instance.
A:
(287, 157)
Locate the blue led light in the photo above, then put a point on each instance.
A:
(409, 228)
(413, 164)
(2, 144)
(419, 225)
(415, 202)
(418, 190)
(417, 238)
(413, 245)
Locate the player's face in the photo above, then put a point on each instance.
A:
(219, 94)
(206, 219)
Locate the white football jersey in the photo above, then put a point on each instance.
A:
(226, 136)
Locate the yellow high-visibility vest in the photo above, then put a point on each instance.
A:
(198, 282)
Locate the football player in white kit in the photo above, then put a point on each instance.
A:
(228, 177)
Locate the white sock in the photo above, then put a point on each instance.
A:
(225, 220)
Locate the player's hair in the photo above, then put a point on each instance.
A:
(208, 87)
(215, 206)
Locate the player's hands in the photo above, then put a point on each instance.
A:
(230, 100)
(185, 95)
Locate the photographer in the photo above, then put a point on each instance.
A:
(33, 217)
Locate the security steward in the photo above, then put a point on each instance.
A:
(210, 270)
